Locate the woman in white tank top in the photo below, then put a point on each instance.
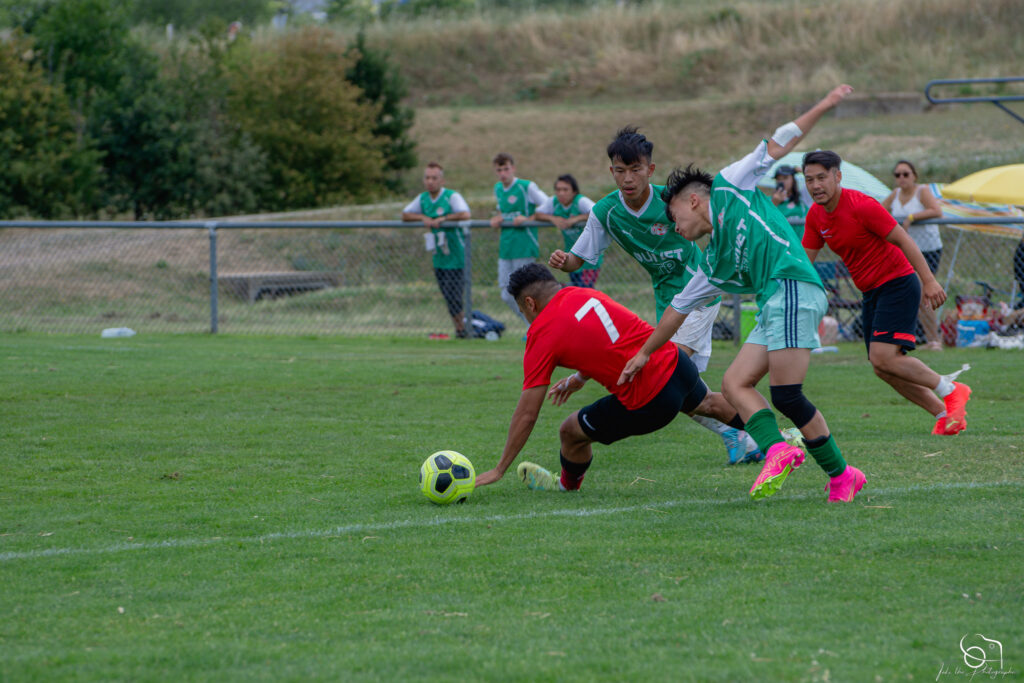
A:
(910, 203)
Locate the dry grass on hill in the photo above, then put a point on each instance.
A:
(663, 49)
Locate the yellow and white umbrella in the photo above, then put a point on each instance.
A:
(999, 185)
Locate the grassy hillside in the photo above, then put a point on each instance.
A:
(668, 50)
(704, 81)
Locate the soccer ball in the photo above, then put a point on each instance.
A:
(447, 477)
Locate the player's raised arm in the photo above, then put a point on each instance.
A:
(788, 135)
(519, 429)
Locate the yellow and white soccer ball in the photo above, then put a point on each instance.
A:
(447, 477)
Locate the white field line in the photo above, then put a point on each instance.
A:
(439, 521)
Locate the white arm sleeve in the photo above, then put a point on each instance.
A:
(697, 292)
(534, 194)
(745, 173)
(458, 203)
(585, 204)
(547, 207)
(592, 243)
(413, 207)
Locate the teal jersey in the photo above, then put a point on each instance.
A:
(752, 245)
(573, 232)
(795, 209)
(451, 249)
(669, 259)
(517, 242)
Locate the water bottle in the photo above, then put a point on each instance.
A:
(112, 332)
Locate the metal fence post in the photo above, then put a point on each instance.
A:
(467, 274)
(212, 229)
(737, 320)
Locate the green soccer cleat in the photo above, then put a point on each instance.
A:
(537, 478)
(793, 436)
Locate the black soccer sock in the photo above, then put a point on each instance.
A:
(736, 422)
(572, 473)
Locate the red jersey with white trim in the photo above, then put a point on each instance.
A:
(586, 330)
(856, 231)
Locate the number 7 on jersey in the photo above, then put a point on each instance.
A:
(602, 315)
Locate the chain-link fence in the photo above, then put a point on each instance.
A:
(365, 278)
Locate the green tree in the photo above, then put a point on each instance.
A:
(384, 86)
(166, 146)
(296, 104)
(47, 170)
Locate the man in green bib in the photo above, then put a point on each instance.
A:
(752, 249)
(518, 200)
(635, 218)
(437, 205)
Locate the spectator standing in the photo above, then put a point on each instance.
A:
(518, 200)
(910, 203)
(436, 205)
(568, 211)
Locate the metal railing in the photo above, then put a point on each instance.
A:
(995, 99)
(324, 277)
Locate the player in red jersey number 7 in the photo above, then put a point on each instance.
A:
(586, 330)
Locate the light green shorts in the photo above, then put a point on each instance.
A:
(790, 317)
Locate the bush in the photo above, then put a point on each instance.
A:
(46, 168)
(294, 101)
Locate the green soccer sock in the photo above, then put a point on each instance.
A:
(764, 429)
(826, 453)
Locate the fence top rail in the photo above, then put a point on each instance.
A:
(221, 225)
(995, 97)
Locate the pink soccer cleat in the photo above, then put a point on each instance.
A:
(781, 459)
(956, 408)
(842, 488)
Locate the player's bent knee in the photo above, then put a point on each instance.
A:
(571, 431)
(789, 400)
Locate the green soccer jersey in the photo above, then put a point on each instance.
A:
(573, 232)
(752, 245)
(648, 236)
(517, 200)
(450, 252)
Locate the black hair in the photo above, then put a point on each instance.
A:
(567, 178)
(904, 161)
(502, 158)
(531, 277)
(823, 157)
(794, 191)
(689, 179)
(630, 147)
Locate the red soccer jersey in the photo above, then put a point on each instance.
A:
(856, 231)
(586, 330)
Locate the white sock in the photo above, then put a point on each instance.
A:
(945, 387)
(940, 415)
(711, 423)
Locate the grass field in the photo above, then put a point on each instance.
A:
(245, 508)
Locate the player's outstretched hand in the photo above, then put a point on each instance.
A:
(635, 364)
(557, 259)
(488, 477)
(934, 294)
(561, 392)
(838, 94)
